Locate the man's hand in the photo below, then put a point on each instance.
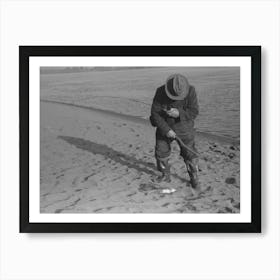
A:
(173, 112)
(171, 134)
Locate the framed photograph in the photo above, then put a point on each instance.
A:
(156, 139)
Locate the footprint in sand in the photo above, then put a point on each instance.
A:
(145, 187)
(165, 204)
(98, 210)
(131, 194)
(230, 180)
(236, 205)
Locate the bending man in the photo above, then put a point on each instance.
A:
(173, 112)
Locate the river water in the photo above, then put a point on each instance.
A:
(218, 90)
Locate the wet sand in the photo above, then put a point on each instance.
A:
(94, 161)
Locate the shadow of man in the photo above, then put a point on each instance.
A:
(107, 152)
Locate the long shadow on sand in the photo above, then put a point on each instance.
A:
(108, 152)
(124, 159)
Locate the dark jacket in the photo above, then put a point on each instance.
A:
(188, 109)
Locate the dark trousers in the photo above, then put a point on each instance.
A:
(163, 151)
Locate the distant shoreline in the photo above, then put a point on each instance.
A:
(69, 70)
(51, 70)
(139, 119)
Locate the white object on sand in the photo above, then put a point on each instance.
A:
(168, 191)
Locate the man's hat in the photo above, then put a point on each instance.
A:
(177, 87)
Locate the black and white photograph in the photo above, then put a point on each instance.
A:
(139, 140)
(141, 135)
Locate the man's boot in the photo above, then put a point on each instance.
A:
(192, 168)
(164, 168)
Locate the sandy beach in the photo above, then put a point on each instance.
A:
(93, 161)
(97, 145)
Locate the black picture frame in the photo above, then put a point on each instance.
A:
(25, 52)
